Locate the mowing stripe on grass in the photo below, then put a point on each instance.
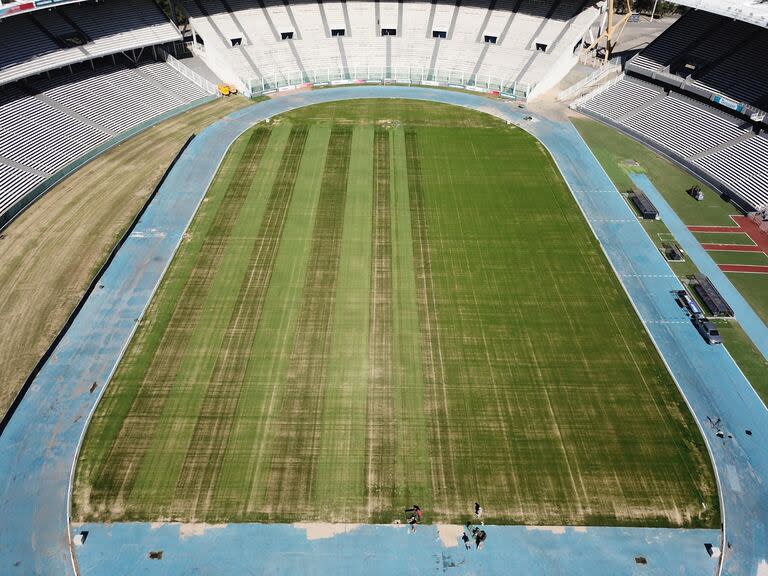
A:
(164, 458)
(214, 423)
(436, 403)
(241, 488)
(146, 377)
(413, 481)
(469, 295)
(381, 451)
(340, 483)
(293, 469)
(551, 404)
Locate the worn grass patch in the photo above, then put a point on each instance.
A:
(382, 303)
(51, 252)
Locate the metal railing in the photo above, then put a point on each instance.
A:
(193, 76)
(592, 80)
(282, 80)
(588, 96)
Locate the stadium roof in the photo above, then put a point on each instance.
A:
(21, 6)
(751, 11)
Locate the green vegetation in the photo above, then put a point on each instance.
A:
(659, 233)
(754, 287)
(374, 308)
(738, 238)
(652, 6)
(749, 358)
(613, 149)
(733, 257)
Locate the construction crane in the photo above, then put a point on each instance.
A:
(614, 27)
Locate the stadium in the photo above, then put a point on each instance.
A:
(364, 286)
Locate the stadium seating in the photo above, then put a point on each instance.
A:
(531, 35)
(706, 138)
(710, 53)
(660, 53)
(47, 123)
(47, 40)
(683, 126)
(626, 96)
(742, 167)
(737, 75)
(11, 181)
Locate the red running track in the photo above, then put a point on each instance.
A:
(745, 226)
(732, 248)
(742, 224)
(715, 228)
(744, 268)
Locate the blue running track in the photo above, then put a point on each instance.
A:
(39, 446)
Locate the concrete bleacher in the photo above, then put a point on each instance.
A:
(517, 26)
(660, 53)
(47, 40)
(683, 126)
(706, 138)
(45, 123)
(626, 96)
(742, 167)
(12, 180)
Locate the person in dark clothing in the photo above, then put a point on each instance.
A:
(467, 543)
(479, 538)
(415, 517)
(416, 513)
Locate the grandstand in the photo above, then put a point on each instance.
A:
(50, 39)
(695, 95)
(289, 240)
(74, 78)
(79, 74)
(515, 45)
(711, 56)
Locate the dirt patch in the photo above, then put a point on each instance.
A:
(51, 252)
(449, 534)
(190, 530)
(274, 95)
(324, 530)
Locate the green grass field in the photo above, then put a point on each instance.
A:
(755, 289)
(738, 238)
(747, 356)
(732, 257)
(386, 302)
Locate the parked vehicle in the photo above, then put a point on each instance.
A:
(695, 193)
(707, 331)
